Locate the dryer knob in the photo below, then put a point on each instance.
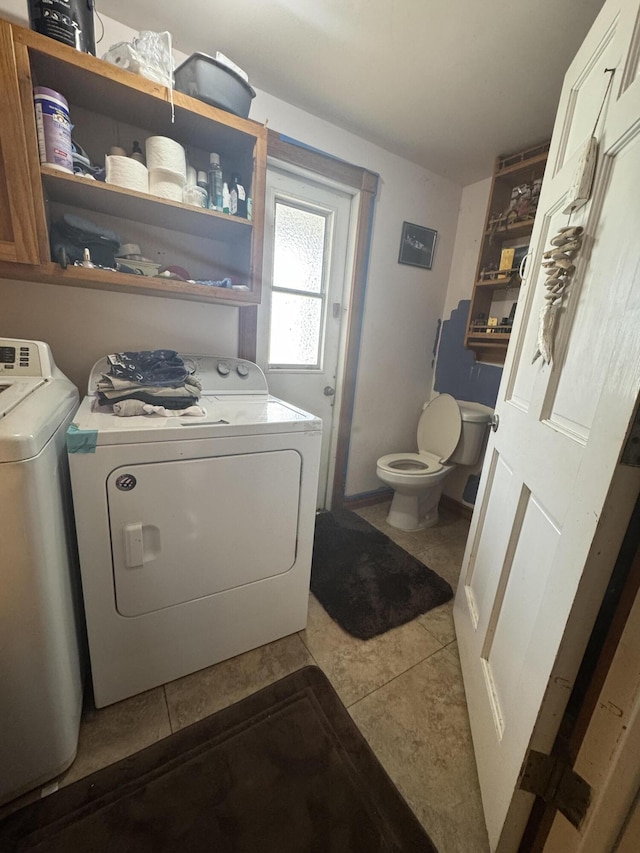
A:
(243, 370)
(223, 368)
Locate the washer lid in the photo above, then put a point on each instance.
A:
(31, 412)
(439, 427)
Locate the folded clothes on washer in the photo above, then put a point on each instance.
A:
(149, 367)
(179, 399)
(112, 389)
(113, 384)
(131, 408)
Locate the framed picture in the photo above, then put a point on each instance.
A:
(417, 245)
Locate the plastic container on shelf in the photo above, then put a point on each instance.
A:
(54, 129)
(195, 196)
(209, 80)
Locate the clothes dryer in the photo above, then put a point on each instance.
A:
(195, 534)
(40, 618)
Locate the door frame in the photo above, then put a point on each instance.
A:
(351, 196)
(618, 620)
(292, 153)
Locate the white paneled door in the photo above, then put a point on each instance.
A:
(554, 497)
(301, 321)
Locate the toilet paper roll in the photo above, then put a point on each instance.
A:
(125, 172)
(165, 153)
(166, 184)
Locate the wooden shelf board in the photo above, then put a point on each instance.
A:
(500, 339)
(524, 166)
(142, 207)
(133, 99)
(50, 273)
(490, 356)
(517, 229)
(505, 284)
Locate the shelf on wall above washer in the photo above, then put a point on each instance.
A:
(103, 279)
(142, 207)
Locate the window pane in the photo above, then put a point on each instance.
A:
(298, 249)
(295, 330)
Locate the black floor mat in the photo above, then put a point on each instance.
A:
(366, 582)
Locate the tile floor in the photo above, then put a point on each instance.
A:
(403, 689)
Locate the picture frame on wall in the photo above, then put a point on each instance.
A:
(417, 245)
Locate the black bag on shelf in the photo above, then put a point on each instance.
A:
(71, 235)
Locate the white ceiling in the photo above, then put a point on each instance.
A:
(448, 84)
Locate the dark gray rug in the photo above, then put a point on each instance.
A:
(366, 582)
(283, 771)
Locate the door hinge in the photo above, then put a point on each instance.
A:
(631, 450)
(551, 779)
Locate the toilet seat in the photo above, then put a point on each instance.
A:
(439, 431)
(411, 464)
(417, 479)
(439, 427)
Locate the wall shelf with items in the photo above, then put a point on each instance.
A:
(513, 199)
(111, 107)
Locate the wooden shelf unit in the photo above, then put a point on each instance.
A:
(493, 296)
(110, 106)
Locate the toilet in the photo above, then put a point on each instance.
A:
(450, 433)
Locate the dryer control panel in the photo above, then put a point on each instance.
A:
(221, 375)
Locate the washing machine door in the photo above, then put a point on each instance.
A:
(185, 529)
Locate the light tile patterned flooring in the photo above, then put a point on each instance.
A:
(403, 689)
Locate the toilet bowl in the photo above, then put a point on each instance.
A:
(449, 434)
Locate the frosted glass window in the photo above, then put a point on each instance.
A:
(298, 287)
(298, 252)
(295, 330)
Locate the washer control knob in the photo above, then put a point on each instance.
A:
(223, 368)
(243, 370)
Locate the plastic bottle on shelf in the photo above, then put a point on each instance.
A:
(202, 181)
(215, 182)
(193, 194)
(136, 153)
(226, 198)
(238, 206)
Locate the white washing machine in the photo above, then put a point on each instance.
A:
(40, 673)
(195, 534)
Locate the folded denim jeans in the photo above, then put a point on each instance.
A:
(149, 367)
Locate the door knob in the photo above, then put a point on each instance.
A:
(494, 423)
(329, 391)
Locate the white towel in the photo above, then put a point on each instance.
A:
(131, 408)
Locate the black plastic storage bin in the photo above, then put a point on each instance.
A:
(205, 78)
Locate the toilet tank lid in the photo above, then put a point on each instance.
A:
(475, 413)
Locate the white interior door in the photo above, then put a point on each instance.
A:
(306, 275)
(554, 499)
